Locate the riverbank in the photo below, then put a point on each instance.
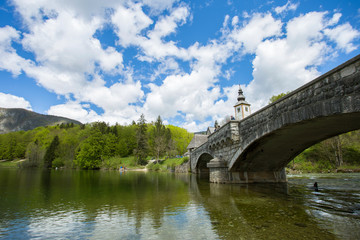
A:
(171, 164)
(343, 169)
(114, 163)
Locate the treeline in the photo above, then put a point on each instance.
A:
(90, 146)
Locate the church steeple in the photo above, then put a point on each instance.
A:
(241, 96)
(242, 108)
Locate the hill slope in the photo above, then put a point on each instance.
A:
(17, 119)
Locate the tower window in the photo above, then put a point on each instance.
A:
(238, 109)
(246, 109)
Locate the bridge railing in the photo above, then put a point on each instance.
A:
(225, 134)
(342, 67)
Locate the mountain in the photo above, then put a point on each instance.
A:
(17, 119)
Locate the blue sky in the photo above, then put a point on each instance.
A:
(113, 60)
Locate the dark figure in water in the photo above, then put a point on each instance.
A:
(316, 187)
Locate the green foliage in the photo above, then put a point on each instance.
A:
(51, 153)
(114, 163)
(92, 146)
(57, 163)
(91, 151)
(160, 139)
(34, 154)
(277, 97)
(351, 155)
(155, 167)
(330, 154)
(141, 150)
(167, 164)
(181, 138)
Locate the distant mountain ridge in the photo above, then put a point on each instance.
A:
(17, 119)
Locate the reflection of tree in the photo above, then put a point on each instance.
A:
(256, 212)
(46, 185)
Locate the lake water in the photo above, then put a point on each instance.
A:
(66, 204)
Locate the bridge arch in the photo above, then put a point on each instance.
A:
(201, 163)
(273, 151)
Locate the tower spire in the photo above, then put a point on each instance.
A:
(242, 108)
(241, 96)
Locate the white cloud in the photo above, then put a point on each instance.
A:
(11, 101)
(284, 64)
(259, 27)
(9, 59)
(159, 5)
(343, 35)
(168, 24)
(74, 110)
(117, 96)
(71, 60)
(129, 22)
(287, 7)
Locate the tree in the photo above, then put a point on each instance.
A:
(91, 150)
(34, 154)
(159, 143)
(50, 153)
(141, 149)
(277, 97)
(180, 138)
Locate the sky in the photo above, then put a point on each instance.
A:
(114, 60)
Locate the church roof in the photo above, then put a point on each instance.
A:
(197, 141)
(210, 130)
(241, 98)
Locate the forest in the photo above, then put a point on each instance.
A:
(95, 145)
(101, 146)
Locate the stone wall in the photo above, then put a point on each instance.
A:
(183, 168)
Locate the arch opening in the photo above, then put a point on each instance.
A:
(201, 167)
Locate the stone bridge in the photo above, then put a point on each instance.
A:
(257, 148)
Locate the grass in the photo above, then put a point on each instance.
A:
(167, 164)
(10, 164)
(301, 165)
(117, 162)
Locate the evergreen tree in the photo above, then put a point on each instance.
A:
(141, 149)
(50, 153)
(159, 142)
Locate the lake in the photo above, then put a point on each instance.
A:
(69, 204)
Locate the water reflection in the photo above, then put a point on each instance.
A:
(95, 204)
(258, 211)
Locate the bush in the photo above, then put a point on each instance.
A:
(351, 155)
(58, 163)
(154, 166)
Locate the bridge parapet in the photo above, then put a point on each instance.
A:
(227, 134)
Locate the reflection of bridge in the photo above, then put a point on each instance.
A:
(257, 148)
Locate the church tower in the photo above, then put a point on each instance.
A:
(242, 108)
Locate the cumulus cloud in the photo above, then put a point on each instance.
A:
(9, 59)
(11, 101)
(287, 7)
(70, 58)
(259, 27)
(74, 111)
(343, 35)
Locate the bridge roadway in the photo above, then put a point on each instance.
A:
(257, 148)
